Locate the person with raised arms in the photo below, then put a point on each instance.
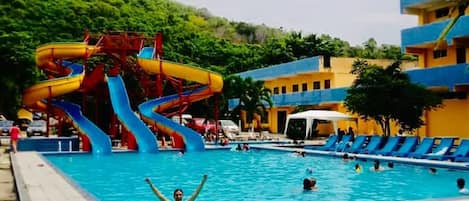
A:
(178, 193)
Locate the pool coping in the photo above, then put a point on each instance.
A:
(413, 161)
(35, 188)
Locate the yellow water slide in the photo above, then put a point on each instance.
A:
(45, 56)
(69, 77)
(212, 83)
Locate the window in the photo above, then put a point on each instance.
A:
(316, 85)
(442, 12)
(284, 89)
(304, 87)
(295, 88)
(275, 90)
(327, 61)
(439, 53)
(327, 84)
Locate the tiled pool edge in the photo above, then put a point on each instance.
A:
(38, 191)
(70, 181)
(421, 162)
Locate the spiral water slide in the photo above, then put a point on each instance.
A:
(73, 75)
(211, 83)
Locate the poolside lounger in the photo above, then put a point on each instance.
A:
(342, 144)
(460, 152)
(373, 145)
(357, 144)
(331, 141)
(408, 146)
(424, 147)
(389, 147)
(441, 150)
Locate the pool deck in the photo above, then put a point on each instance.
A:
(37, 180)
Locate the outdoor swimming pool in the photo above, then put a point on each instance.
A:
(253, 175)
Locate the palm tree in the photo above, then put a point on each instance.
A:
(253, 99)
(253, 96)
(460, 6)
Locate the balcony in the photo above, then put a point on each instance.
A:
(413, 6)
(428, 34)
(448, 77)
(303, 98)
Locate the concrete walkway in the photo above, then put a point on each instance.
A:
(7, 185)
(37, 180)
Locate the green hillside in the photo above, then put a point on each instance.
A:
(191, 36)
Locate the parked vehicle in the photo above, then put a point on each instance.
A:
(37, 127)
(197, 124)
(5, 126)
(229, 128)
(203, 126)
(185, 118)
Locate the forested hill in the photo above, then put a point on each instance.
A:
(191, 36)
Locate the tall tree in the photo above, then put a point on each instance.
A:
(387, 94)
(253, 96)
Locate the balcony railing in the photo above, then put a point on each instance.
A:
(282, 70)
(303, 98)
(429, 33)
(448, 76)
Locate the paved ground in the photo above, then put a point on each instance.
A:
(37, 180)
(7, 185)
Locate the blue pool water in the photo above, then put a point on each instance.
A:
(253, 175)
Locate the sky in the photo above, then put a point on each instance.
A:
(354, 21)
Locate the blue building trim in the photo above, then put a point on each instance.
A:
(303, 98)
(429, 77)
(283, 70)
(429, 33)
(448, 76)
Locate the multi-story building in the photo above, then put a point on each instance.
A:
(313, 83)
(443, 65)
(321, 82)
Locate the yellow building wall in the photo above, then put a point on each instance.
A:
(339, 76)
(362, 127)
(308, 79)
(450, 120)
(442, 61)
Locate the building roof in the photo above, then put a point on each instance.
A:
(322, 115)
(282, 70)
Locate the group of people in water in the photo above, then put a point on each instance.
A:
(309, 184)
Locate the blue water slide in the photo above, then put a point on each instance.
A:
(193, 140)
(100, 141)
(120, 103)
(75, 68)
